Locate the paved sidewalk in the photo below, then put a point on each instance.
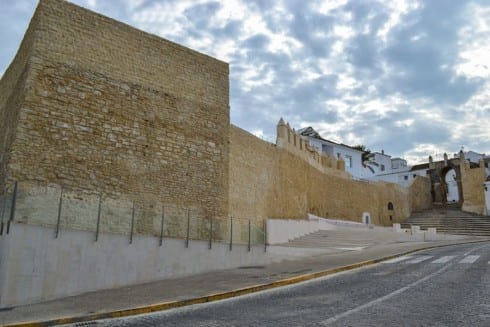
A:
(181, 291)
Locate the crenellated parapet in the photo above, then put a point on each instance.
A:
(293, 142)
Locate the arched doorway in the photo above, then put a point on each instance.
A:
(445, 178)
(390, 210)
(452, 193)
(366, 218)
(450, 185)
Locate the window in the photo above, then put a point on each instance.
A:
(382, 167)
(405, 177)
(414, 175)
(348, 161)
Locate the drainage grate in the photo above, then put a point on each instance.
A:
(86, 323)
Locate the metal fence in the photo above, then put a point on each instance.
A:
(60, 208)
(7, 208)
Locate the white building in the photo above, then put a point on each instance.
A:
(378, 166)
(351, 156)
(393, 170)
(472, 156)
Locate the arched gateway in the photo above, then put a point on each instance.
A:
(445, 177)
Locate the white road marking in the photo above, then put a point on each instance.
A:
(444, 259)
(355, 248)
(381, 299)
(475, 249)
(419, 258)
(470, 259)
(394, 260)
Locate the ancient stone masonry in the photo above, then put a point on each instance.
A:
(108, 130)
(92, 104)
(94, 111)
(288, 139)
(472, 183)
(12, 86)
(285, 180)
(469, 177)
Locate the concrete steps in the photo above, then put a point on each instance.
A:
(450, 220)
(338, 238)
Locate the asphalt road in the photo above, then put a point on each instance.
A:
(442, 287)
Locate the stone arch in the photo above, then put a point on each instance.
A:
(439, 184)
(450, 188)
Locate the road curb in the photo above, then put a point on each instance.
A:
(219, 296)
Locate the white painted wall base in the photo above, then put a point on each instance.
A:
(34, 266)
(284, 230)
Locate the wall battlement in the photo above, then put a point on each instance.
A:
(288, 139)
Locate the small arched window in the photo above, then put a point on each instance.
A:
(390, 206)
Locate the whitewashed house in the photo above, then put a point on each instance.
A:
(393, 170)
(351, 156)
(378, 166)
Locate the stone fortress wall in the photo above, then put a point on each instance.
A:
(102, 112)
(290, 180)
(12, 86)
(98, 117)
(150, 124)
(99, 108)
(472, 180)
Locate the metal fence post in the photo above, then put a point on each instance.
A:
(58, 221)
(231, 233)
(98, 218)
(161, 227)
(249, 234)
(265, 235)
(132, 226)
(12, 208)
(4, 207)
(188, 228)
(210, 233)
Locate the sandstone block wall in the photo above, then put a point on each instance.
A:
(107, 109)
(472, 181)
(419, 194)
(12, 86)
(101, 110)
(253, 174)
(269, 181)
(292, 142)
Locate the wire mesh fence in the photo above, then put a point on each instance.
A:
(61, 208)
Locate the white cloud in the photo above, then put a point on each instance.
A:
(474, 54)
(387, 74)
(421, 153)
(397, 9)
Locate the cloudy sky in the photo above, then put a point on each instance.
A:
(409, 77)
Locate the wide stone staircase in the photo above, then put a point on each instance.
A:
(342, 238)
(450, 220)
